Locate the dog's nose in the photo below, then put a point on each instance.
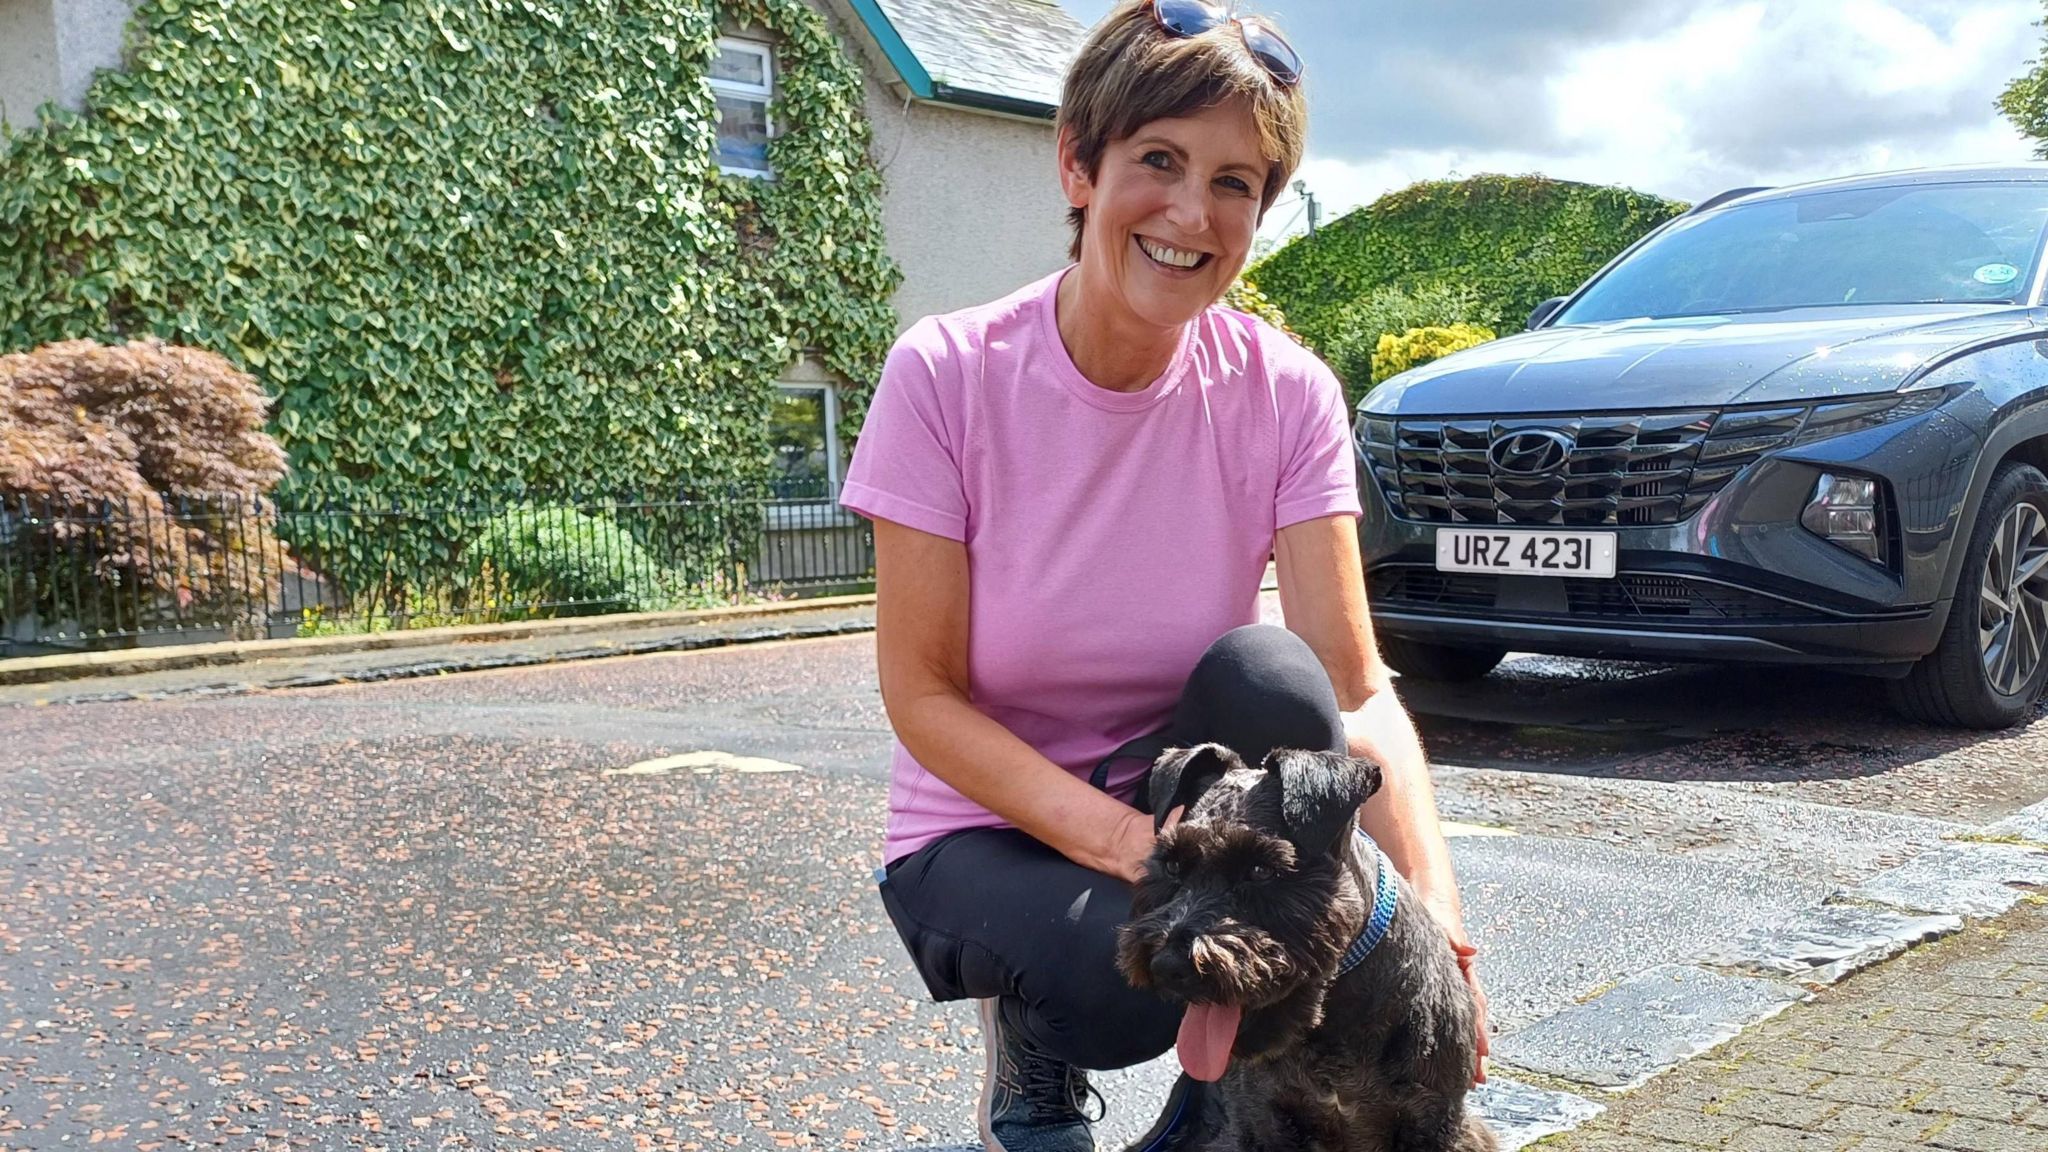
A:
(1172, 966)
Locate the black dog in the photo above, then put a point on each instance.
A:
(1254, 912)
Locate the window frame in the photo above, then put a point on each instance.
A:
(765, 93)
(833, 478)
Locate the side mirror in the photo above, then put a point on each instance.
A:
(1545, 311)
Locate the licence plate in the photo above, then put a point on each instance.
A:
(1525, 552)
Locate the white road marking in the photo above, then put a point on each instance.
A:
(1453, 829)
(703, 763)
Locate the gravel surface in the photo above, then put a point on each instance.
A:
(402, 941)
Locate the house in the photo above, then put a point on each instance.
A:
(960, 95)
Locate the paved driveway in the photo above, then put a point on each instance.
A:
(444, 913)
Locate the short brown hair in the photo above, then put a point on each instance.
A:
(1132, 72)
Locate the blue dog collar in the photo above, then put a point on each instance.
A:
(1385, 892)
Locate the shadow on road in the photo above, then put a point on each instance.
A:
(1677, 723)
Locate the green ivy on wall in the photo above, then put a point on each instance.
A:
(1514, 241)
(482, 246)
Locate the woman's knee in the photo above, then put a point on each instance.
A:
(1260, 687)
(1106, 1027)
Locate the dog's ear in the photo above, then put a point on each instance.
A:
(1319, 796)
(1181, 776)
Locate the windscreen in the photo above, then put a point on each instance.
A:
(1905, 244)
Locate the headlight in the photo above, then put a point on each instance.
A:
(1848, 511)
(1843, 417)
(1743, 434)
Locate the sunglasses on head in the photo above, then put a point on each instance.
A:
(1269, 48)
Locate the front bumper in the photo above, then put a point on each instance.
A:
(1739, 579)
(1887, 643)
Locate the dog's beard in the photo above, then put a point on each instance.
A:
(1235, 967)
(1242, 965)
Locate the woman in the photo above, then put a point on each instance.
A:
(1075, 490)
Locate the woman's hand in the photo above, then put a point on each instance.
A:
(1461, 946)
(1466, 952)
(1135, 841)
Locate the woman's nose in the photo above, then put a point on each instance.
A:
(1188, 211)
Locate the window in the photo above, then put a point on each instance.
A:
(743, 80)
(1894, 244)
(801, 433)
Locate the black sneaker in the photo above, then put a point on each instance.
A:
(1188, 1121)
(1030, 1100)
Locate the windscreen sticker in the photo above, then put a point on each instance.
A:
(1997, 274)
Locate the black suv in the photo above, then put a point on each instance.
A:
(1800, 424)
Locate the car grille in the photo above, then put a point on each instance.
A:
(1610, 470)
(1422, 587)
(1630, 596)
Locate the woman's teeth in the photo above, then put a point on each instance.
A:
(1171, 257)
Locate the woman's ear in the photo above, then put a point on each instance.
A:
(1075, 180)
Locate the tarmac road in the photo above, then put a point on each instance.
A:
(443, 912)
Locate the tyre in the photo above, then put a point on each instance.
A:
(1438, 661)
(1987, 669)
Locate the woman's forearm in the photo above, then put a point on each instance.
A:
(990, 765)
(1402, 815)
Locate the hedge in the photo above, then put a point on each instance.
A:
(1513, 241)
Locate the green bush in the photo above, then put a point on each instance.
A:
(1511, 241)
(1244, 296)
(1397, 354)
(1358, 327)
(556, 557)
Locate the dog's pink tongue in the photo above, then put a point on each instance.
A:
(1207, 1033)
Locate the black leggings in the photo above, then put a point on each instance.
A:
(992, 912)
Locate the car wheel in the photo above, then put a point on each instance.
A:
(1438, 661)
(1988, 668)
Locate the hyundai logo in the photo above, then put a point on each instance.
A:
(1536, 452)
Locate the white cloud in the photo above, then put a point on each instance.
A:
(1682, 101)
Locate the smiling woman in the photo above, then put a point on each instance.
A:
(1076, 491)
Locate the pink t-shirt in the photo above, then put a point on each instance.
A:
(1111, 536)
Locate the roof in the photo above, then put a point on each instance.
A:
(993, 55)
(1946, 174)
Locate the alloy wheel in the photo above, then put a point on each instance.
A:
(2012, 622)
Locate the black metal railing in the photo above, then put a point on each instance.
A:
(118, 574)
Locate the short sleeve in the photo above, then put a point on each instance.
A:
(907, 462)
(1318, 470)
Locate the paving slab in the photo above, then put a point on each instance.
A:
(2029, 824)
(1645, 1024)
(1521, 1114)
(1826, 943)
(1965, 879)
(1557, 920)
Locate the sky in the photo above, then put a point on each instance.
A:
(1682, 98)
